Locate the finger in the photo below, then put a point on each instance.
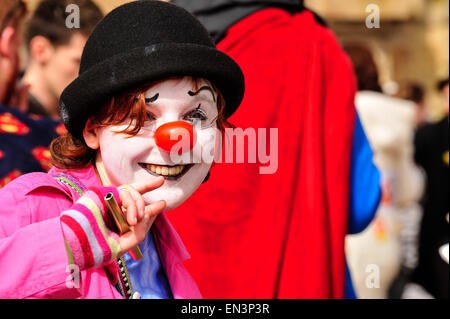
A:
(140, 203)
(146, 186)
(129, 204)
(141, 229)
(128, 240)
(154, 209)
(137, 234)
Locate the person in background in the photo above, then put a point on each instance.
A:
(55, 51)
(432, 154)
(442, 86)
(390, 242)
(414, 92)
(23, 141)
(281, 235)
(11, 13)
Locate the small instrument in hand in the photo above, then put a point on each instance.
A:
(121, 223)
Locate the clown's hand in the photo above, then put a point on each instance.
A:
(139, 216)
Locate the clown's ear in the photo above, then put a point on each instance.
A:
(90, 135)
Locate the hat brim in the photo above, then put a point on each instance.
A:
(144, 65)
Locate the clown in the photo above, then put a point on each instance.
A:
(143, 83)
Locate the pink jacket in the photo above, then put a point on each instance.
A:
(33, 259)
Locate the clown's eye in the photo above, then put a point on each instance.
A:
(149, 117)
(197, 114)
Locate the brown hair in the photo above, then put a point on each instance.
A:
(11, 12)
(364, 66)
(49, 20)
(69, 152)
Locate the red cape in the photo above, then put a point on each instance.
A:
(279, 235)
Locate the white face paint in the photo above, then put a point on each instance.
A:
(122, 159)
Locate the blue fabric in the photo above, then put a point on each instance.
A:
(365, 191)
(349, 292)
(147, 275)
(365, 183)
(23, 140)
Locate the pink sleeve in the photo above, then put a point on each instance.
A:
(33, 256)
(33, 259)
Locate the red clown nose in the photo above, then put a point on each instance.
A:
(178, 136)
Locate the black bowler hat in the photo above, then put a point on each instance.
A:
(141, 42)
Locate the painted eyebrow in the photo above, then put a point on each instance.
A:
(152, 99)
(203, 88)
